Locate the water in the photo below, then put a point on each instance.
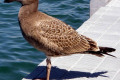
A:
(17, 57)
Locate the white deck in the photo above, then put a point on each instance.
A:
(103, 27)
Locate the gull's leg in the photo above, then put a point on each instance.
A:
(48, 60)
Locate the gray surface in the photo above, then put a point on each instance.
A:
(103, 27)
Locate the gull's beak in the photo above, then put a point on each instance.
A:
(8, 1)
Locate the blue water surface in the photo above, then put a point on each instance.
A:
(17, 57)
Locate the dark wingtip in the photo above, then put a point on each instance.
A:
(110, 55)
(107, 49)
(111, 49)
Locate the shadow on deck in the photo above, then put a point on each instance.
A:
(59, 74)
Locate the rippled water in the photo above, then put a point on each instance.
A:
(17, 57)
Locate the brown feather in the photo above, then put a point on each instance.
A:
(51, 35)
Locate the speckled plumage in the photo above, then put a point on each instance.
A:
(52, 36)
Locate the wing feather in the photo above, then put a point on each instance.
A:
(60, 37)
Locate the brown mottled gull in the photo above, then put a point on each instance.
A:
(52, 36)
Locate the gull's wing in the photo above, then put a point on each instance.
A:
(56, 36)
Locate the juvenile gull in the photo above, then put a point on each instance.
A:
(52, 36)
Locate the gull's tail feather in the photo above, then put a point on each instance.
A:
(102, 51)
